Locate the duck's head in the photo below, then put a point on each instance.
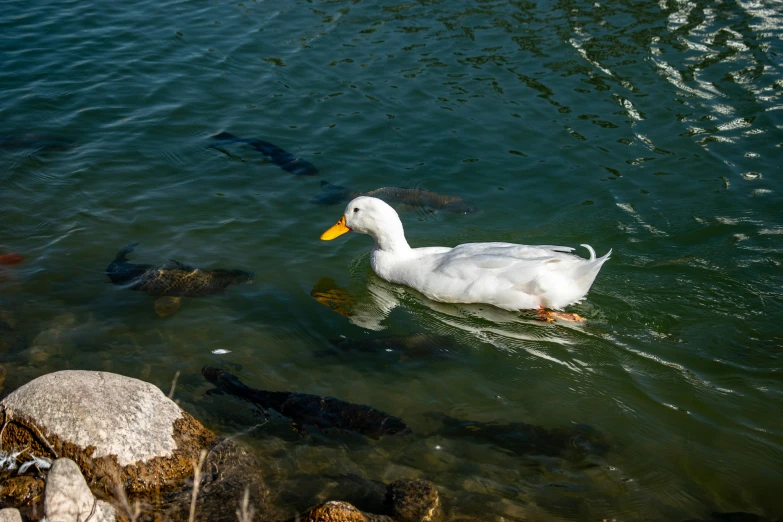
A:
(366, 215)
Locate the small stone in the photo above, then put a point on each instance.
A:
(414, 501)
(10, 515)
(67, 497)
(334, 511)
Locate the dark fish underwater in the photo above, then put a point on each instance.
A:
(35, 141)
(572, 442)
(283, 159)
(171, 281)
(409, 197)
(314, 410)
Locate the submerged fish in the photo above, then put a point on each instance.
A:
(313, 410)
(285, 160)
(527, 439)
(411, 197)
(36, 141)
(11, 259)
(170, 282)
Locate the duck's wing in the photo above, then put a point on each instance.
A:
(518, 264)
(496, 256)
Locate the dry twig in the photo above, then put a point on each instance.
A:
(196, 484)
(246, 510)
(173, 385)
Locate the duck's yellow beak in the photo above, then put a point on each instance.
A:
(338, 229)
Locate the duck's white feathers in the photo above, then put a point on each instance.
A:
(506, 275)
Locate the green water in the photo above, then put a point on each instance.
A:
(650, 128)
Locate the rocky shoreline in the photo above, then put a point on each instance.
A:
(79, 446)
(82, 445)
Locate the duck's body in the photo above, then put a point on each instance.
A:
(506, 275)
(509, 276)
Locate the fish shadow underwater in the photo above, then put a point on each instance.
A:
(304, 410)
(171, 281)
(309, 414)
(401, 198)
(35, 142)
(283, 159)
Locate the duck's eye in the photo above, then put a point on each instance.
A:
(355, 210)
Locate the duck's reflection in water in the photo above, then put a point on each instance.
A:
(369, 304)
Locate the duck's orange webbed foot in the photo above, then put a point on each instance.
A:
(550, 316)
(544, 315)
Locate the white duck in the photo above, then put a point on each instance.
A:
(506, 275)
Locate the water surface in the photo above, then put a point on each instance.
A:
(650, 128)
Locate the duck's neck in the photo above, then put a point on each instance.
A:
(391, 239)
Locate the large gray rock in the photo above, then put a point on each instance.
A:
(120, 431)
(118, 415)
(68, 499)
(10, 515)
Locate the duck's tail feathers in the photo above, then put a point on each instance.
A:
(589, 249)
(121, 255)
(587, 271)
(592, 253)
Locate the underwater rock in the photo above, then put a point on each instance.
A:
(312, 410)
(407, 500)
(405, 197)
(527, 439)
(68, 499)
(10, 515)
(414, 500)
(285, 160)
(229, 470)
(171, 282)
(120, 431)
(333, 511)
